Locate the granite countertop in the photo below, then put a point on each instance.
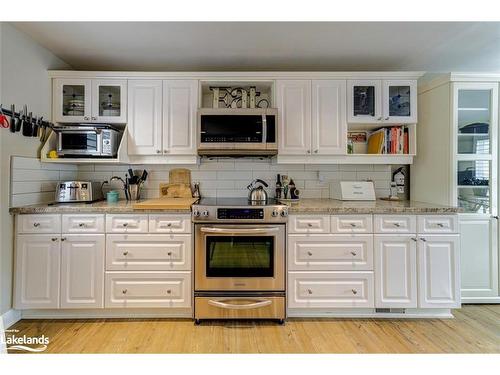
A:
(333, 206)
(122, 206)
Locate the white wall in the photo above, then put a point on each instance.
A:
(23, 80)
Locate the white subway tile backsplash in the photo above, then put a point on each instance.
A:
(234, 175)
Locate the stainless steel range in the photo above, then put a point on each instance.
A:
(239, 259)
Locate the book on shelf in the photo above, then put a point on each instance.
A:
(389, 140)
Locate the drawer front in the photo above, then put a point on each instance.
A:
(340, 252)
(83, 223)
(330, 289)
(169, 223)
(148, 289)
(127, 223)
(148, 252)
(240, 307)
(352, 224)
(395, 224)
(309, 224)
(39, 223)
(438, 224)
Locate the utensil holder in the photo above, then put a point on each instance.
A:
(134, 192)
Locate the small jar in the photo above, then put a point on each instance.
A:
(112, 196)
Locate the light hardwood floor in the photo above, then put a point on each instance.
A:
(475, 329)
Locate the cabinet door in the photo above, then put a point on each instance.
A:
(144, 117)
(395, 271)
(329, 126)
(364, 101)
(109, 101)
(399, 100)
(180, 102)
(294, 116)
(439, 271)
(37, 271)
(479, 257)
(71, 100)
(82, 271)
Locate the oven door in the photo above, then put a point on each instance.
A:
(239, 257)
(79, 142)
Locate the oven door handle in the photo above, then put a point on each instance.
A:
(239, 231)
(229, 306)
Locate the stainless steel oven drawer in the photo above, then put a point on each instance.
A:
(236, 307)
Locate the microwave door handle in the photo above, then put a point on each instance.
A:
(239, 231)
(230, 306)
(264, 128)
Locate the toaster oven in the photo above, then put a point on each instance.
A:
(96, 140)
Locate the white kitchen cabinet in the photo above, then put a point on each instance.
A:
(310, 224)
(145, 117)
(78, 100)
(395, 223)
(329, 126)
(82, 270)
(168, 224)
(126, 223)
(109, 101)
(83, 223)
(382, 101)
(479, 257)
(351, 224)
(180, 102)
(395, 271)
(37, 271)
(294, 115)
(38, 223)
(438, 271)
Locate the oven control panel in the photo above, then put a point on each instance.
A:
(273, 214)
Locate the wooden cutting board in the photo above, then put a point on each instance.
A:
(175, 190)
(179, 176)
(165, 204)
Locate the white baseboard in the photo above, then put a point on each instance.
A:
(11, 317)
(130, 313)
(480, 300)
(370, 313)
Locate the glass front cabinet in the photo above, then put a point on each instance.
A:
(382, 101)
(90, 100)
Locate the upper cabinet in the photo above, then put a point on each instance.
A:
(382, 101)
(162, 117)
(90, 100)
(311, 117)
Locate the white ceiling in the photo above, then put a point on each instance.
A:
(185, 46)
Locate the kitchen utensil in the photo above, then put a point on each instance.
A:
(27, 126)
(257, 193)
(13, 119)
(4, 121)
(36, 121)
(179, 176)
(144, 176)
(175, 190)
(135, 192)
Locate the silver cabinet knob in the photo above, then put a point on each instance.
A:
(440, 225)
(63, 239)
(36, 225)
(169, 225)
(353, 253)
(353, 225)
(397, 225)
(86, 118)
(309, 291)
(94, 118)
(354, 291)
(125, 225)
(315, 151)
(169, 291)
(309, 225)
(414, 239)
(379, 119)
(81, 225)
(54, 239)
(387, 118)
(169, 253)
(165, 151)
(309, 253)
(124, 291)
(308, 151)
(158, 151)
(423, 239)
(125, 253)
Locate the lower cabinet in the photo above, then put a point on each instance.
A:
(37, 277)
(82, 271)
(395, 271)
(439, 271)
(148, 289)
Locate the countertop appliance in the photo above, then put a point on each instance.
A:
(237, 131)
(257, 193)
(352, 190)
(239, 257)
(83, 140)
(78, 191)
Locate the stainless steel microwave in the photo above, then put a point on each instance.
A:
(237, 131)
(81, 140)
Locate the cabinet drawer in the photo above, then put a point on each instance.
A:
(148, 289)
(330, 289)
(330, 252)
(395, 224)
(170, 223)
(127, 223)
(352, 224)
(39, 223)
(83, 223)
(438, 224)
(309, 224)
(148, 252)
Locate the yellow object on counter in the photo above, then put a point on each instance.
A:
(53, 154)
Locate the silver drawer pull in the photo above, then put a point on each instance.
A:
(255, 304)
(414, 239)
(81, 225)
(309, 225)
(440, 225)
(353, 253)
(397, 225)
(423, 239)
(309, 291)
(125, 225)
(36, 225)
(125, 253)
(309, 253)
(354, 291)
(169, 291)
(54, 239)
(124, 291)
(169, 224)
(353, 225)
(169, 253)
(63, 239)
